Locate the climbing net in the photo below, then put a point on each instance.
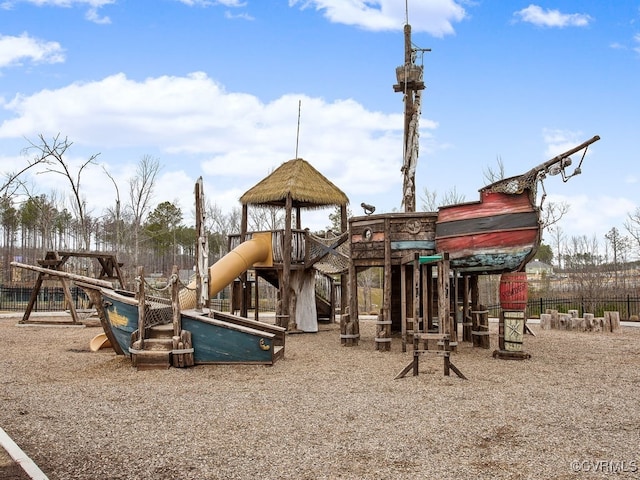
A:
(334, 260)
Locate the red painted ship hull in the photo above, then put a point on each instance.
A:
(500, 233)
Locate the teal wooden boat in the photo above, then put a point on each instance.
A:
(216, 337)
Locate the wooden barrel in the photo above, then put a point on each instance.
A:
(513, 291)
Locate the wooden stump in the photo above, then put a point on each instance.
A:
(613, 320)
(349, 331)
(383, 333)
(564, 319)
(545, 321)
(480, 328)
(589, 322)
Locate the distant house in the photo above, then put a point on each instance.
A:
(537, 269)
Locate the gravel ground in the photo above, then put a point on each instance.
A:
(326, 411)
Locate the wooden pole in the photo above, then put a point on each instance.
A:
(286, 265)
(344, 279)
(466, 311)
(409, 197)
(141, 305)
(202, 251)
(403, 306)
(444, 301)
(416, 294)
(175, 302)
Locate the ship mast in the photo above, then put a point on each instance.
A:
(410, 82)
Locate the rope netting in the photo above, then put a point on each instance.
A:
(335, 260)
(158, 310)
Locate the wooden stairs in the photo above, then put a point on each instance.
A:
(160, 349)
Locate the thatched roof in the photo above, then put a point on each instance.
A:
(308, 188)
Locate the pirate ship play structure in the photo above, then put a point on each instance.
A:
(429, 261)
(499, 233)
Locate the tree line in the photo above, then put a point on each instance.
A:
(142, 232)
(137, 230)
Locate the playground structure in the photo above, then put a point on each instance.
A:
(290, 259)
(297, 256)
(158, 332)
(430, 260)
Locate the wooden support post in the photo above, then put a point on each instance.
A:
(403, 306)
(32, 298)
(429, 311)
(141, 307)
(344, 279)
(386, 291)
(175, 302)
(480, 328)
(455, 305)
(466, 311)
(416, 294)
(444, 299)
(69, 299)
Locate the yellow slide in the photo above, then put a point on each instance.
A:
(224, 271)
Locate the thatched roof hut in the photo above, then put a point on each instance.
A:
(307, 187)
(294, 185)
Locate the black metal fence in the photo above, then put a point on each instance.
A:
(628, 306)
(49, 299)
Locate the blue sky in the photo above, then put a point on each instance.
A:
(212, 88)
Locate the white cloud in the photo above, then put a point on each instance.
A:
(559, 141)
(592, 213)
(435, 17)
(552, 18)
(15, 50)
(91, 15)
(207, 3)
(196, 128)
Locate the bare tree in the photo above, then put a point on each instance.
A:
(619, 245)
(491, 175)
(220, 225)
(115, 213)
(553, 213)
(266, 218)
(53, 153)
(12, 180)
(632, 226)
(585, 264)
(557, 242)
(430, 202)
(140, 196)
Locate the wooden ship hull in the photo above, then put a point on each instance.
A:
(229, 341)
(500, 233)
(121, 314)
(217, 338)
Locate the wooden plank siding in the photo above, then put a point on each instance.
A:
(405, 232)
